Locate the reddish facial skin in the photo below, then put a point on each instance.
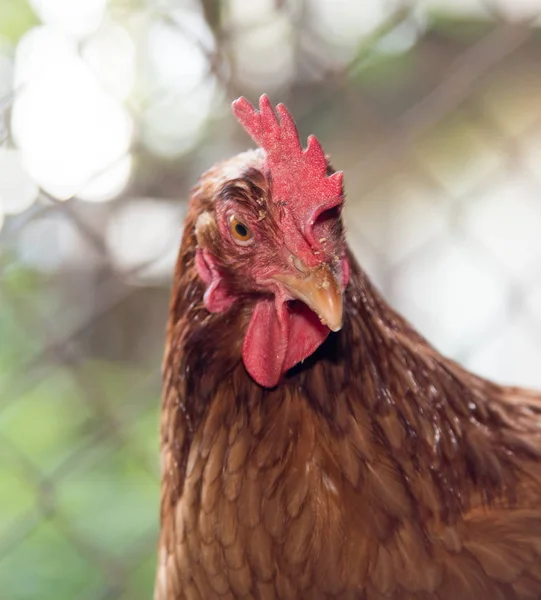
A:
(282, 331)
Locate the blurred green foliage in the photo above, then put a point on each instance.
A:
(79, 468)
(16, 17)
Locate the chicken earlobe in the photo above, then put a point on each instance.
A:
(217, 298)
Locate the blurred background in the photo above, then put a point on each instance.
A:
(110, 110)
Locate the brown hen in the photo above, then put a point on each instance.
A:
(300, 462)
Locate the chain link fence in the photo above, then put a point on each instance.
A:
(109, 112)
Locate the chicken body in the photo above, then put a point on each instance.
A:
(376, 469)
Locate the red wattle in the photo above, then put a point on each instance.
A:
(279, 336)
(265, 344)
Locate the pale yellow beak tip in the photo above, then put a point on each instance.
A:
(329, 310)
(335, 327)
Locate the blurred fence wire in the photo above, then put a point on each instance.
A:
(110, 110)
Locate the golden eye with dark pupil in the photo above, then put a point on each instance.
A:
(241, 230)
(241, 233)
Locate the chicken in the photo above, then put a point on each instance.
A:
(313, 444)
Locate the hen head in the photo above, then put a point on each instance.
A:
(274, 240)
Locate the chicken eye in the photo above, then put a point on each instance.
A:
(240, 232)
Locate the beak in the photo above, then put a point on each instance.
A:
(320, 291)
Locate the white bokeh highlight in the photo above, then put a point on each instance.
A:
(507, 221)
(264, 55)
(399, 217)
(109, 183)
(344, 22)
(111, 55)
(68, 128)
(145, 234)
(18, 191)
(48, 243)
(511, 355)
(6, 75)
(181, 88)
(452, 295)
(77, 18)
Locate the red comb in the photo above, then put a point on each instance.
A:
(299, 176)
